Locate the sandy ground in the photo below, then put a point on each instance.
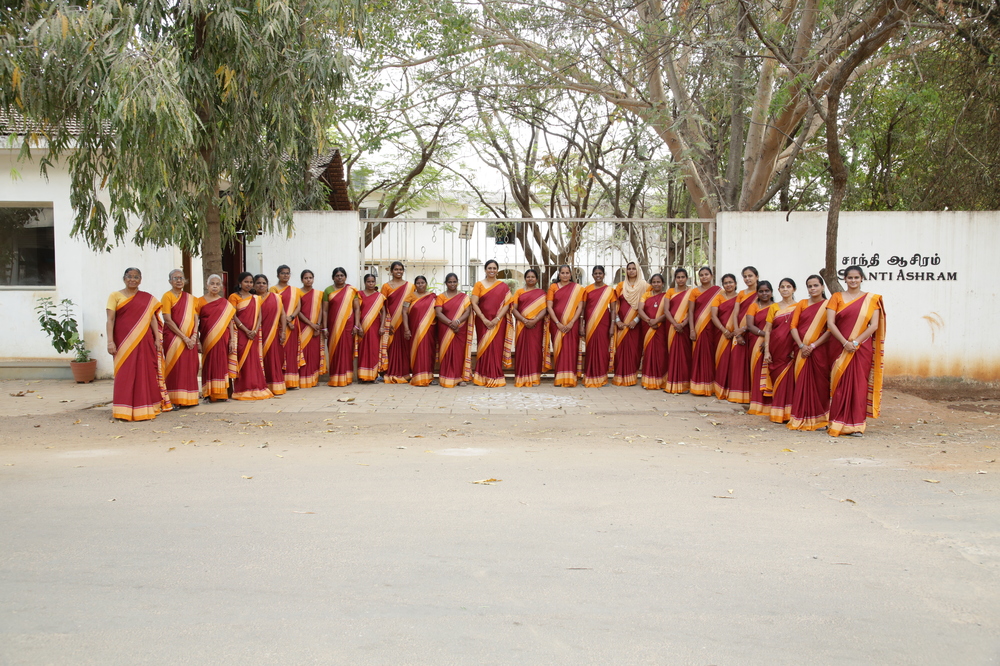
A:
(345, 526)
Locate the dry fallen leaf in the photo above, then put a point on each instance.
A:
(343, 399)
(303, 512)
(723, 497)
(932, 481)
(848, 500)
(789, 451)
(278, 455)
(77, 421)
(982, 471)
(171, 448)
(415, 437)
(247, 477)
(189, 441)
(117, 437)
(487, 482)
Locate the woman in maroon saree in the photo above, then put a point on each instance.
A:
(628, 332)
(723, 306)
(600, 308)
(418, 327)
(135, 341)
(312, 336)
(811, 399)
(371, 321)
(856, 319)
(250, 383)
(340, 311)
(738, 379)
(678, 299)
(779, 352)
(654, 338)
(755, 321)
(180, 343)
(704, 335)
(529, 309)
(218, 341)
(291, 300)
(272, 334)
(454, 333)
(564, 302)
(395, 346)
(491, 301)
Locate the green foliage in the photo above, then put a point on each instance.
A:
(171, 111)
(62, 327)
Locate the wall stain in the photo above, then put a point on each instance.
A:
(935, 321)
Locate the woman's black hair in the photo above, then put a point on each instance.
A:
(396, 263)
(751, 269)
(559, 270)
(131, 268)
(239, 280)
(769, 287)
(656, 275)
(679, 271)
(259, 276)
(598, 267)
(789, 281)
(860, 271)
(419, 277)
(822, 282)
(450, 276)
(369, 275)
(302, 275)
(706, 268)
(729, 275)
(491, 261)
(283, 267)
(336, 270)
(531, 270)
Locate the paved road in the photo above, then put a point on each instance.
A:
(615, 535)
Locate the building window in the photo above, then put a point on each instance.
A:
(27, 246)
(367, 213)
(433, 215)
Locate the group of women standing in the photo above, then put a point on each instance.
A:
(780, 358)
(814, 364)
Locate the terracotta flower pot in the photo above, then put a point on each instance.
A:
(84, 373)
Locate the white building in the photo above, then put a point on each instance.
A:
(43, 259)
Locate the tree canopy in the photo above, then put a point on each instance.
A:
(198, 117)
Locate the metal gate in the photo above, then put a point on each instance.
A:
(436, 247)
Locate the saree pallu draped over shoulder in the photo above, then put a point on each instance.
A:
(598, 360)
(217, 364)
(565, 347)
(395, 346)
(422, 338)
(760, 380)
(455, 347)
(781, 368)
(340, 335)
(654, 344)
(249, 383)
(706, 339)
(856, 377)
(313, 354)
(140, 393)
(370, 342)
(811, 396)
(724, 346)
(529, 343)
(678, 379)
(180, 364)
(271, 352)
(493, 345)
(627, 342)
(291, 298)
(738, 380)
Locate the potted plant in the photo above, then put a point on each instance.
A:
(65, 334)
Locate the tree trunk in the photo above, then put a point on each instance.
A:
(211, 244)
(867, 47)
